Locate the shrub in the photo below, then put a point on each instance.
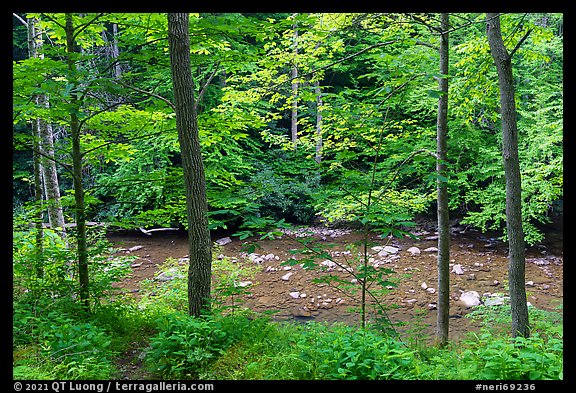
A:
(185, 345)
(345, 352)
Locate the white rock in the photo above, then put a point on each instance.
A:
(470, 299)
(432, 306)
(431, 290)
(414, 250)
(135, 248)
(411, 301)
(223, 241)
(255, 258)
(169, 275)
(495, 300)
(302, 295)
(424, 285)
(530, 283)
(287, 268)
(457, 269)
(295, 295)
(391, 250)
(431, 249)
(269, 257)
(328, 263)
(354, 281)
(243, 284)
(383, 254)
(286, 277)
(377, 248)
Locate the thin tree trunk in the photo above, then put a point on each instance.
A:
(79, 208)
(44, 141)
(516, 269)
(38, 216)
(442, 326)
(200, 269)
(50, 174)
(115, 52)
(294, 118)
(319, 104)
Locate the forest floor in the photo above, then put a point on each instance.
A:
(410, 307)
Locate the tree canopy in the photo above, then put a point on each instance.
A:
(375, 73)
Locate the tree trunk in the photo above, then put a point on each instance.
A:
(50, 174)
(79, 208)
(200, 270)
(516, 267)
(319, 104)
(294, 118)
(442, 326)
(44, 143)
(38, 216)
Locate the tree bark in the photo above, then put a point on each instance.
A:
(79, 208)
(442, 326)
(44, 142)
(516, 267)
(294, 118)
(319, 103)
(50, 174)
(319, 140)
(38, 216)
(200, 269)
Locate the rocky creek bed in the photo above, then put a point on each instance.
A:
(478, 273)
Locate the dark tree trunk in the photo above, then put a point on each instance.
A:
(442, 325)
(200, 270)
(83, 276)
(516, 269)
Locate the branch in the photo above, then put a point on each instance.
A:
(83, 27)
(203, 89)
(348, 57)
(20, 19)
(520, 43)
(125, 140)
(41, 153)
(167, 101)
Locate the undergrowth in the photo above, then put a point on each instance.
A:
(53, 338)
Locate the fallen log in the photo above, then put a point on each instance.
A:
(149, 231)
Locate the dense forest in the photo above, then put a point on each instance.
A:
(250, 127)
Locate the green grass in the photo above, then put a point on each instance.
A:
(54, 339)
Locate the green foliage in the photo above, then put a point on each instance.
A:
(285, 195)
(342, 352)
(185, 345)
(63, 346)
